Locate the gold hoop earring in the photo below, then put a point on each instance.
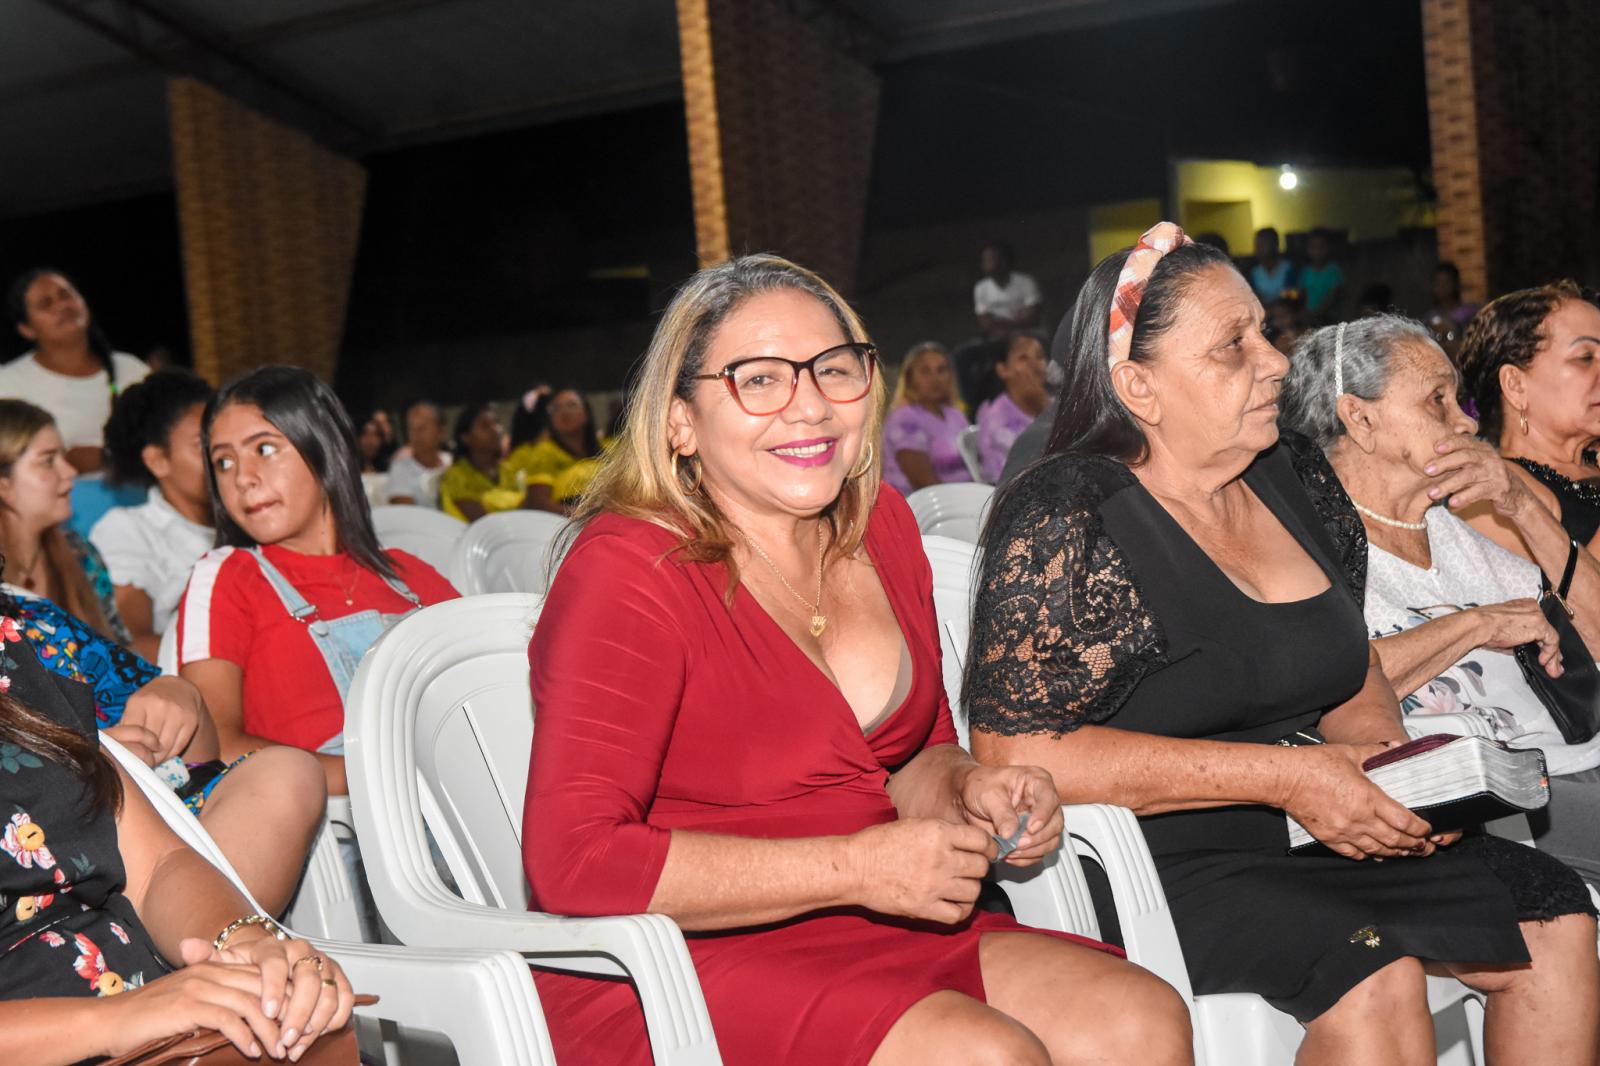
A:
(1522, 422)
(871, 455)
(677, 473)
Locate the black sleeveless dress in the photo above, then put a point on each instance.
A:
(65, 927)
(1095, 606)
(1580, 500)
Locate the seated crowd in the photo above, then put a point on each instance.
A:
(1228, 556)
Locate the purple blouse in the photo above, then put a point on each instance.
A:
(999, 422)
(914, 428)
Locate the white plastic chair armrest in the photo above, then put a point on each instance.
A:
(483, 1001)
(1052, 895)
(1111, 836)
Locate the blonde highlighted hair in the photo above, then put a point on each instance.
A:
(918, 352)
(20, 422)
(639, 476)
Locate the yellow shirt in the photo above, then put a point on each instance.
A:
(463, 481)
(544, 462)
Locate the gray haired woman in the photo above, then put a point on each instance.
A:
(1444, 604)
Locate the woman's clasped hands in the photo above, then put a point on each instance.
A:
(1330, 795)
(933, 868)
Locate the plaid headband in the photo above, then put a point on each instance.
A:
(1156, 242)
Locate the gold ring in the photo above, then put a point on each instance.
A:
(328, 982)
(315, 960)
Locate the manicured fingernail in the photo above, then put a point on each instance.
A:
(1433, 494)
(271, 1008)
(294, 1056)
(288, 1037)
(1430, 469)
(255, 1051)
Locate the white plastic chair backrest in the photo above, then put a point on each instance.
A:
(167, 654)
(428, 534)
(967, 446)
(954, 564)
(441, 722)
(953, 510)
(509, 551)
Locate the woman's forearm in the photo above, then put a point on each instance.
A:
(710, 881)
(1413, 658)
(188, 897)
(1549, 544)
(53, 1031)
(1150, 774)
(929, 786)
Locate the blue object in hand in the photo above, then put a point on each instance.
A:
(1009, 844)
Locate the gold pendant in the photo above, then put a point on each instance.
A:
(818, 624)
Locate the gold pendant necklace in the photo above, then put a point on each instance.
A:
(819, 621)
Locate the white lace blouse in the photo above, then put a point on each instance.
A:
(1469, 570)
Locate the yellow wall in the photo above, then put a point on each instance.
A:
(1237, 198)
(1114, 226)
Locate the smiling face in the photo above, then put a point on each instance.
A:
(38, 490)
(1212, 387)
(1560, 388)
(793, 462)
(55, 313)
(265, 484)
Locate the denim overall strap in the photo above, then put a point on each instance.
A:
(342, 641)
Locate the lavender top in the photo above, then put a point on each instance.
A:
(914, 428)
(999, 423)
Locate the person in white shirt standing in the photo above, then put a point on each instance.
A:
(415, 470)
(153, 439)
(71, 371)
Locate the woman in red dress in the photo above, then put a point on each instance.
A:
(741, 725)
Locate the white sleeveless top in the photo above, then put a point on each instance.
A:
(1469, 570)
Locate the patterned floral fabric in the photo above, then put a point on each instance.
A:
(100, 580)
(65, 927)
(70, 648)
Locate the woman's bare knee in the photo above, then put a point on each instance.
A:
(1145, 1021)
(1563, 947)
(950, 1029)
(1398, 992)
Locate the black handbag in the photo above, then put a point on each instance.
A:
(1573, 699)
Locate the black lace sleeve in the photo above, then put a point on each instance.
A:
(1061, 635)
(1333, 506)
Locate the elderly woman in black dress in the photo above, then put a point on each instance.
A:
(1173, 589)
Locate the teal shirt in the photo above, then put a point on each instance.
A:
(1319, 283)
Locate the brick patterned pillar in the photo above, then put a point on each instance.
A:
(781, 127)
(1453, 132)
(1515, 122)
(269, 222)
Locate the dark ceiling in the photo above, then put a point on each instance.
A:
(82, 97)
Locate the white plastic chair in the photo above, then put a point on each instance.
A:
(953, 563)
(508, 551)
(428, 534)
(483, 1001)
(967, 446)
(438, 730)
(167, 654)
(954, 510)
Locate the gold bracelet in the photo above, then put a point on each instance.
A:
(237, 924)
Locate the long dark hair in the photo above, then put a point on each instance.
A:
(43, 736)
(307, 412)
(1090, 419)
(17, 312)
(527, 422)
(145, 415)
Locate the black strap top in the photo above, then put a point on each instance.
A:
(1580, 500)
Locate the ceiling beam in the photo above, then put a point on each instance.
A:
(185, 48)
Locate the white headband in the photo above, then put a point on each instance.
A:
(1338, 363)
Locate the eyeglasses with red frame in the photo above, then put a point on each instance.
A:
(766, 384)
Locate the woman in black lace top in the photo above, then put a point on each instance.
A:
(1171, 590)
(1531, 362)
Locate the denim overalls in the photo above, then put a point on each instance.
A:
(342, 641)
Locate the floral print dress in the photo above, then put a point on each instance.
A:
(65, 927)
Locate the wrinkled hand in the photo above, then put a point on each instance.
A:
(169, 708)
(921, 868)
(292, 992)
(203, 995)
(1338, 805)
(1467, 470)
(993, 798)
(140, 742)
(1515, 622)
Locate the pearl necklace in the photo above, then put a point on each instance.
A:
(1395, 522)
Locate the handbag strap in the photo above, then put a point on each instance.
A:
(1566, 578)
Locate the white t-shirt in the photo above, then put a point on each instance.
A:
(407, 477)
(152, 547)
(80, 406)
(1469, 569)
(1020, 293)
